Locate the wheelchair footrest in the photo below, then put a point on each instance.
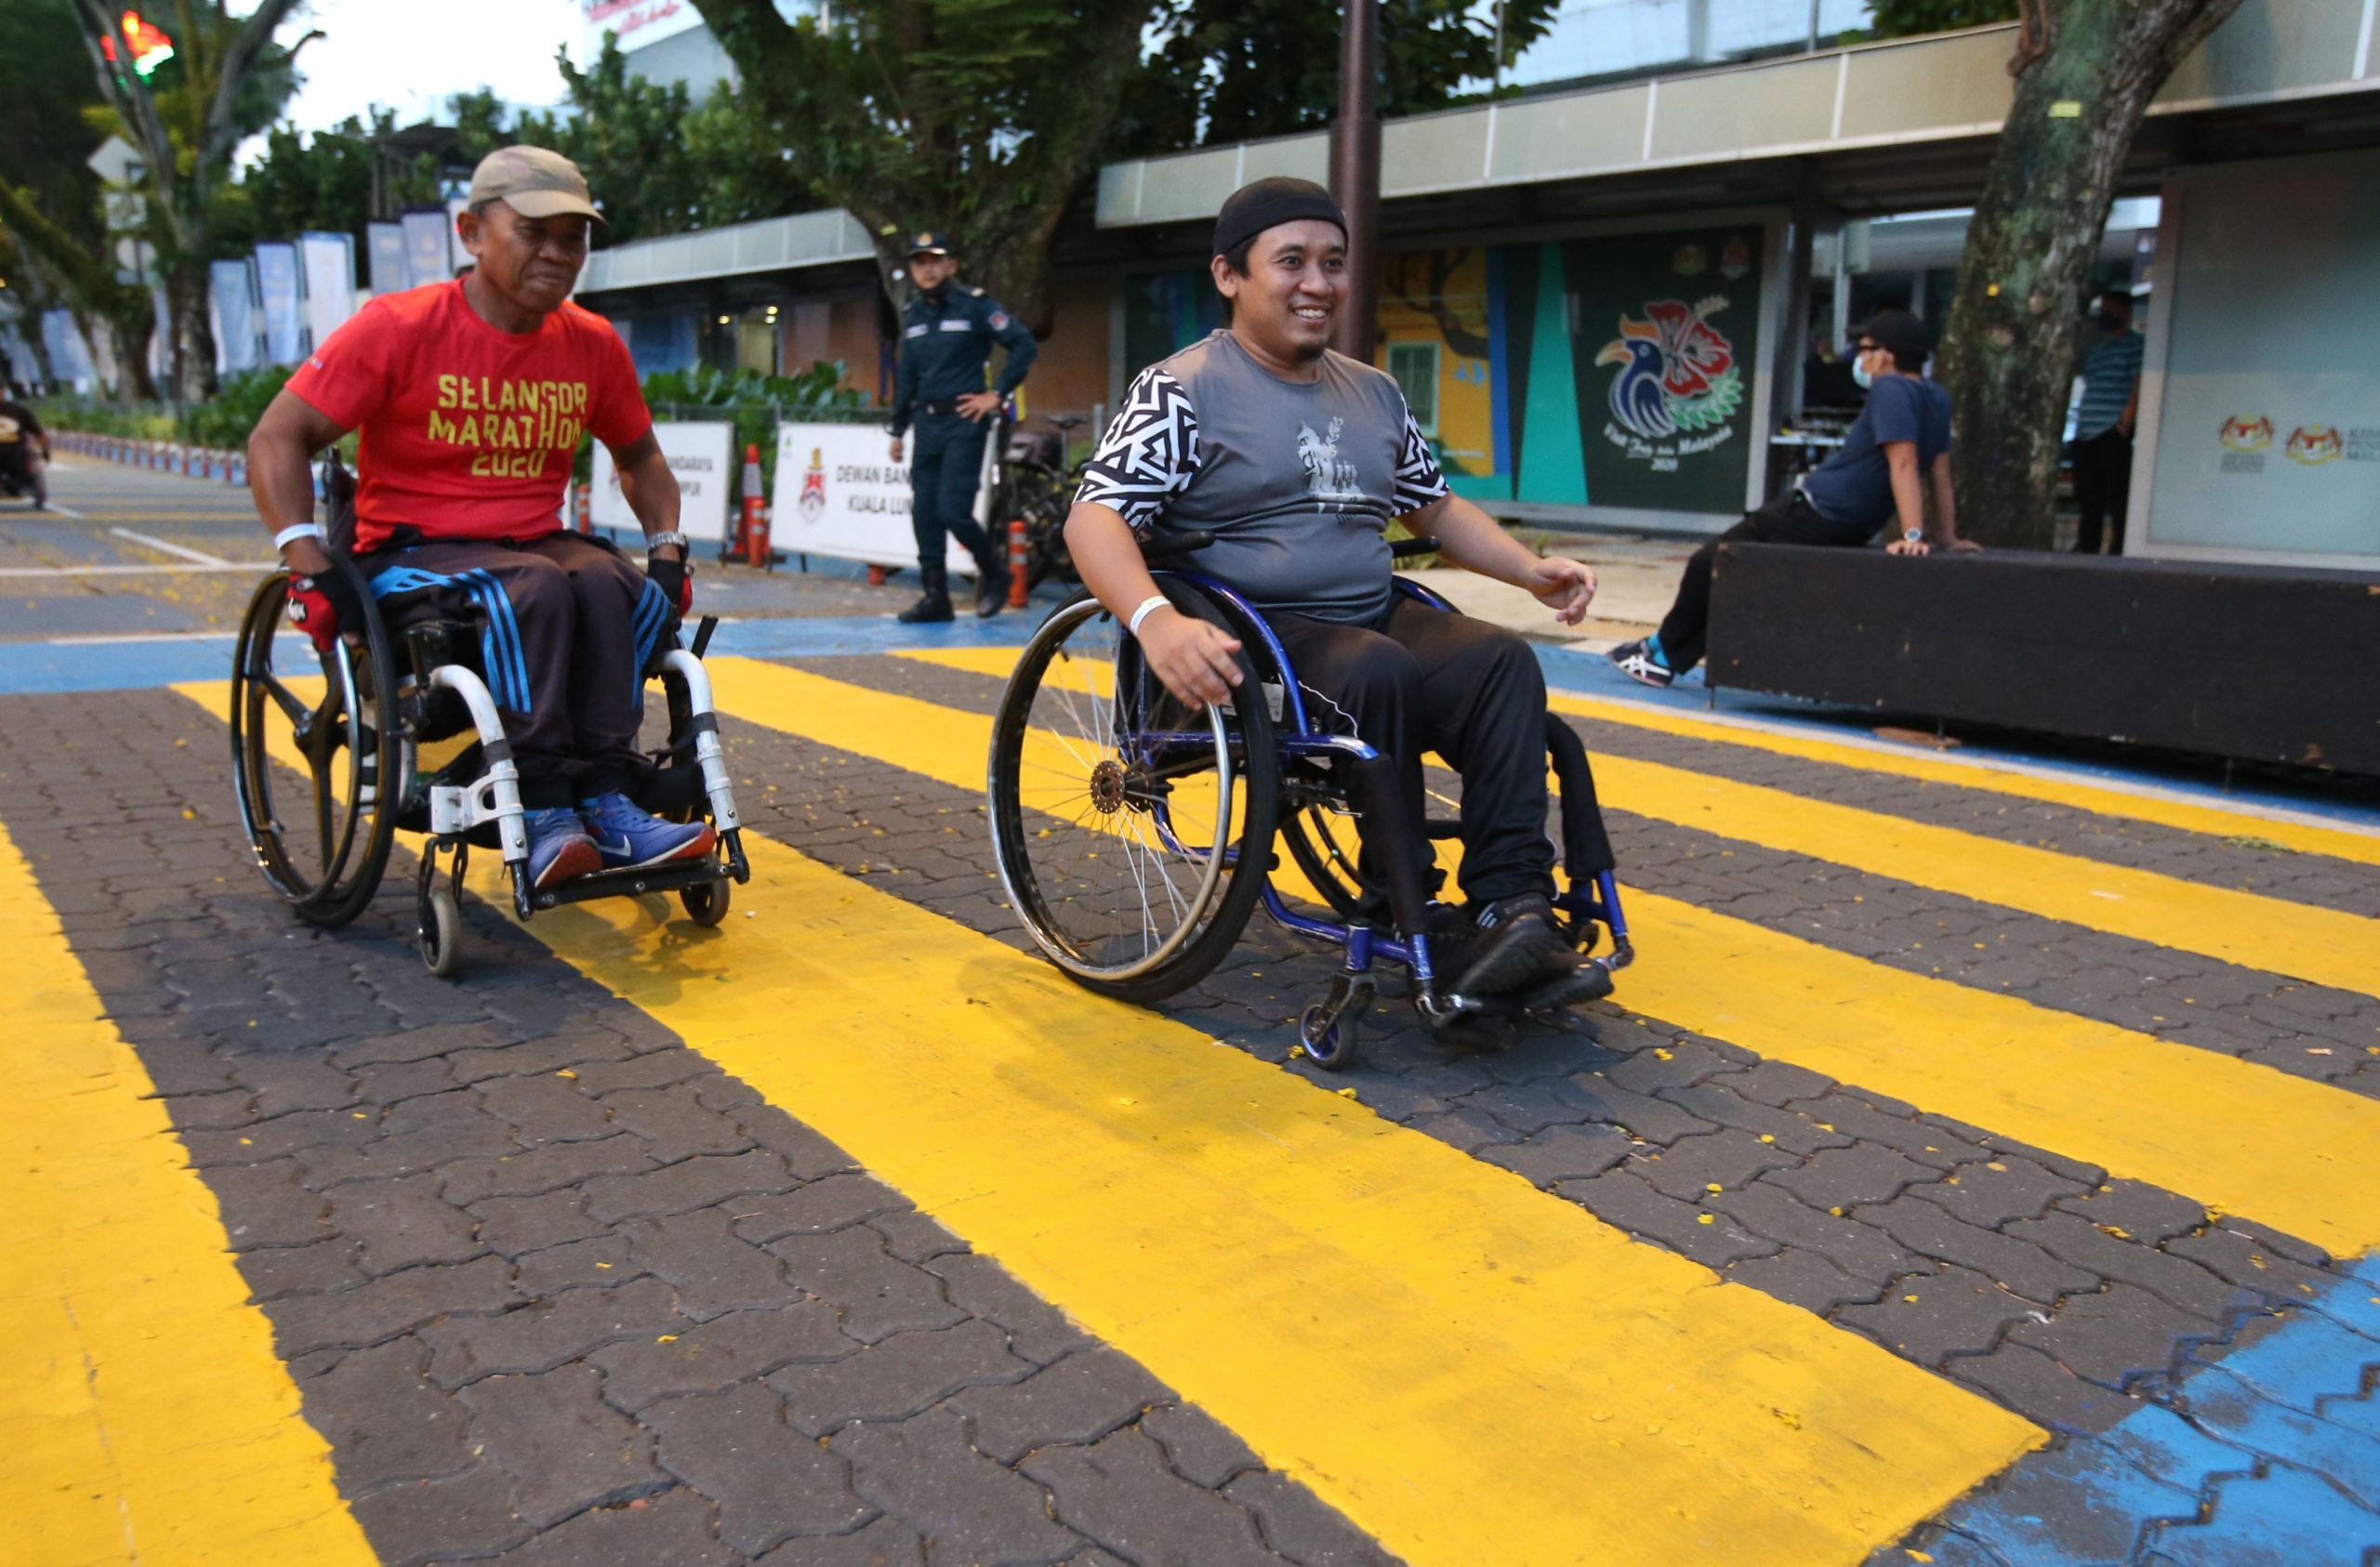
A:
(672, 877)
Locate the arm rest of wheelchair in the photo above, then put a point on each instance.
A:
(1162, 544)
(1405, 549)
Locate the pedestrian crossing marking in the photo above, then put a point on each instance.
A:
(144, 1417)
(2299, 941)
(1471, 1370)
(2247, 1137)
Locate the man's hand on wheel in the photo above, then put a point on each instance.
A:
(1195, 661)
(322, 604)
(977, 407)
(676, 579)
(1565, 586)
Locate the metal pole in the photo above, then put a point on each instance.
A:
(1354, 176)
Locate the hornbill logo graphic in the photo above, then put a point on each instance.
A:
(1678, 371)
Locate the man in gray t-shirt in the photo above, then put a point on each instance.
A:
(1297, 459)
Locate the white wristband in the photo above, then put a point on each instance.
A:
(1147, 607)
(298, 531)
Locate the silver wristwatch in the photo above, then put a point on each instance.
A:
(654, 541)
(1913, 535)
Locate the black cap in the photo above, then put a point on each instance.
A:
(930, 241)
(1267, 204)
(1902, 334)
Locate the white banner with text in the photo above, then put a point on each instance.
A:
(702, 457)
(840, 494)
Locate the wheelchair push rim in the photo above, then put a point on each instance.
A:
(1113, 812)
(325, 857)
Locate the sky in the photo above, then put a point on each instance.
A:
(413, 54)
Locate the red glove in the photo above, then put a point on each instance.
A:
(316, 609)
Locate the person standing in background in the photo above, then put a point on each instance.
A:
(2103, 424)
(946, 337)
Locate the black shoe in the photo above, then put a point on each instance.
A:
(991, 589)
(1635, 660)
(933, 606)
(1514, 937)
(1567, 986)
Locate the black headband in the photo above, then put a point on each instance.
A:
(1267, 204)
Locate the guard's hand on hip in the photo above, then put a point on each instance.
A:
(1565, 586)
(1196, 662)
(978, 406)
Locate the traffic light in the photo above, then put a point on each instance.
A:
(150, 48)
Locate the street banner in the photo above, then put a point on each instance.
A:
(391, 273)
(1666, 350)
(635, 22)
(701, 456)
(239, 341)
(840, 494)
(425, 231)
(329, 260)
(285, 325)
(69, 355)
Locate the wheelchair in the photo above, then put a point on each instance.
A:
(404, 689)
(1135, 836)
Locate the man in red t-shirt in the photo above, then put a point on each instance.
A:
(472, 397)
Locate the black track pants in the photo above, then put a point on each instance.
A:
(1790, 518)
(1421, 680)
(566, 628)
(2102, 488)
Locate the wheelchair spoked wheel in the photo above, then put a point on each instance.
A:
(325, 847)
(1312, 837)
(1134, 836)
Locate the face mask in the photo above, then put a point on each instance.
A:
(1861, 373)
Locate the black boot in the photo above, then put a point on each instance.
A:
(991, 582)
(933, 606)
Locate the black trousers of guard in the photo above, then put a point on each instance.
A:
(566, 628)
(1790, 518)
(946, 467)
(2102, 488)
(1420, 679)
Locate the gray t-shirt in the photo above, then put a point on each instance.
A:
(1297, 481)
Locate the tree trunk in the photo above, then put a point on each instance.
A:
(2008, 347)
(191, 346)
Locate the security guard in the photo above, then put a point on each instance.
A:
(946, 336)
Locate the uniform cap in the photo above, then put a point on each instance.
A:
(930, 241)
(533, 182)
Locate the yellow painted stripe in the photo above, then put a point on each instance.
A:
(2245, 1138)
(1473, 1371)
(144, 1417)
(2325, 946)
(2360, 847)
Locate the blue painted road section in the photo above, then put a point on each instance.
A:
(36, 667)
(2270, 1459)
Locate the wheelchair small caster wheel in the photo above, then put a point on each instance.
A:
(440, 931)
(1330, 1042)
(706, 903)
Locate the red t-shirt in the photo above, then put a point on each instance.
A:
(470, 432)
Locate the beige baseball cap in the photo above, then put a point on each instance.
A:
(533, 181)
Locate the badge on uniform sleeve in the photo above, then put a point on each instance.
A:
(999, 321)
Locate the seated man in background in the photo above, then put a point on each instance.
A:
(472, 397)
(1297, 459)
(1899, 446)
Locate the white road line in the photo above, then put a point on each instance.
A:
(19, 572)
(197, 556)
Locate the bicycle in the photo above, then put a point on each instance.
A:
(1035, 486)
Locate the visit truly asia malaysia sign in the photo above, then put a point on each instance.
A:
(637, 22)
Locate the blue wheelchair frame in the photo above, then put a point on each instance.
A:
(1298, 739)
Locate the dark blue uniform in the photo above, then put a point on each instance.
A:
(945, 342)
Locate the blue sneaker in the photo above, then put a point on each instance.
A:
(631, 839)
(560, 850)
